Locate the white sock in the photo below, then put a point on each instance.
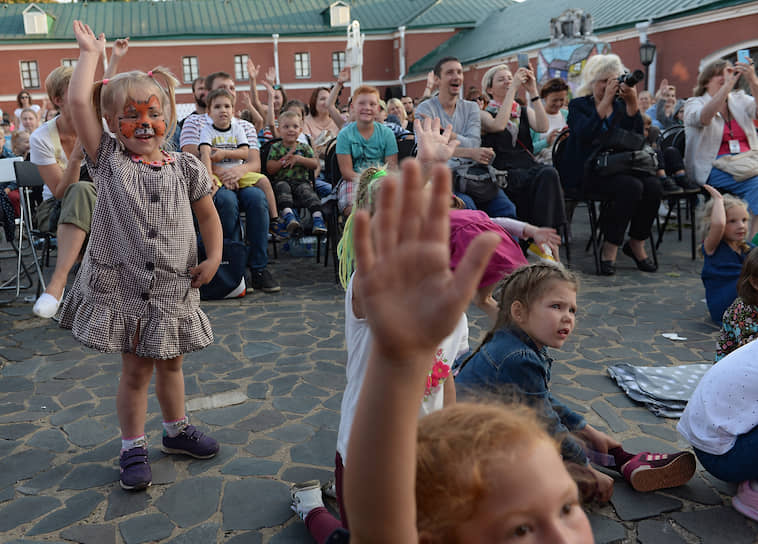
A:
(285, 211)
(316, 214)
(129, 443)
(173, 428)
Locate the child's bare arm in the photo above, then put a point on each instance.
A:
(210, 230)
(120, 48)
(334, 113)
(239, 154)
(88, 127)
(270, 113)
(205, 158)
(718, 221)
(253, 70)
(412, 301)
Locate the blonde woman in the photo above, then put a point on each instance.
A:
(603, 104)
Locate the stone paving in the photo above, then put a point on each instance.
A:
(277, 367)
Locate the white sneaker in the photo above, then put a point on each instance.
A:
(46, 306)
(305, 497)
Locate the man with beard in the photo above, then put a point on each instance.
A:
(198, 93)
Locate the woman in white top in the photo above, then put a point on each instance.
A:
(719, 121)
(24, 100)
(721, 423)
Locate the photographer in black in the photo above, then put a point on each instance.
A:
(606, 106)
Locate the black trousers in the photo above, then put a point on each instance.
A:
(634, 201)
(538, 195)
(296, 194)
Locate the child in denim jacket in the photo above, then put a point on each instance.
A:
(537, 310)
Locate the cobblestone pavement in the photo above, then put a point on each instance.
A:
(277, 367)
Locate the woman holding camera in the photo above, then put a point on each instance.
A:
(534, 188)
(604, 103)
(718, 121)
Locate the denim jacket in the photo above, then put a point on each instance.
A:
(511, 357)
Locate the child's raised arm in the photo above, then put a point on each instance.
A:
(412, 301)
(86, 123)
(718, 221)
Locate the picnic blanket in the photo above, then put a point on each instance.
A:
(665, 390)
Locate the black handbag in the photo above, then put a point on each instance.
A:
(621, 151)
(229, 281)
(480, 182)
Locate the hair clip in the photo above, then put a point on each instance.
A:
(378, 174)
(105, 81)
(150, 73)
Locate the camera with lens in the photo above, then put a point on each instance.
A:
(630, 79)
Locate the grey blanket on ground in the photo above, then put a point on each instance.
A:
(665, 390)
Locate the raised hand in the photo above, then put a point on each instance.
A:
(120, 47)
(344, 75)
(434, 146)
(86, 39)
(252, 68)
(271, 76)
(411, 297)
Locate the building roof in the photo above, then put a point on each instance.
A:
(526, 25)
(240, 18)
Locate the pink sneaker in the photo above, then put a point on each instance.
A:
(650, 471)
(746, 501)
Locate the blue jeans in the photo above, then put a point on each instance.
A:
(746, 190)
(736, 465)
(500, 206)
(253, 201)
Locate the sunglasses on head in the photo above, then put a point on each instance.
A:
(277, 87)
(25, 96)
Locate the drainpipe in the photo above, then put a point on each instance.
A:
(401, 59)
(276, 56)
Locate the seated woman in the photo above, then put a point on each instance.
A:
(395, 108)
(68, 203)
(318, 124)
(24, 100)
(554, 94)
(718, 121)
(603, 104)
(68, 199)
(534, 188)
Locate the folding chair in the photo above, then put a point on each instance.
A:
(27, 178)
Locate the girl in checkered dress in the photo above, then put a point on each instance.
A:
(137, 288)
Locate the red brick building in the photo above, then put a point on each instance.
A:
(304, 39)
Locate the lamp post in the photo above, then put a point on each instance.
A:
(647, 54)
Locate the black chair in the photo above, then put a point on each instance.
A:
(330, 207)
(406, 148)
(28, 178)
(596, 206)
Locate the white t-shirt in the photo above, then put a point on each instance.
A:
(193, 126)
(358, 340)
(556, 121)
(724, 404)
(231, 138)
(45, 148)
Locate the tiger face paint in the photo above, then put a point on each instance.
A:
(142, 120)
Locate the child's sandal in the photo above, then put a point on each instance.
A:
(650, 471)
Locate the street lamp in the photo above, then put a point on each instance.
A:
(647, 54)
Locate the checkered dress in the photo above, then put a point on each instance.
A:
(135, 272)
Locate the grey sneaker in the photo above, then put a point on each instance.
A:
(262, 280)
(190, 442)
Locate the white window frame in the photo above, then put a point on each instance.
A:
(303, 65)
(339, 61)
(29, 72)
(190, 70)
(240, 67)
(69, 62)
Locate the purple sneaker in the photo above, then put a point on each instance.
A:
(190, 442)
(135, 470)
